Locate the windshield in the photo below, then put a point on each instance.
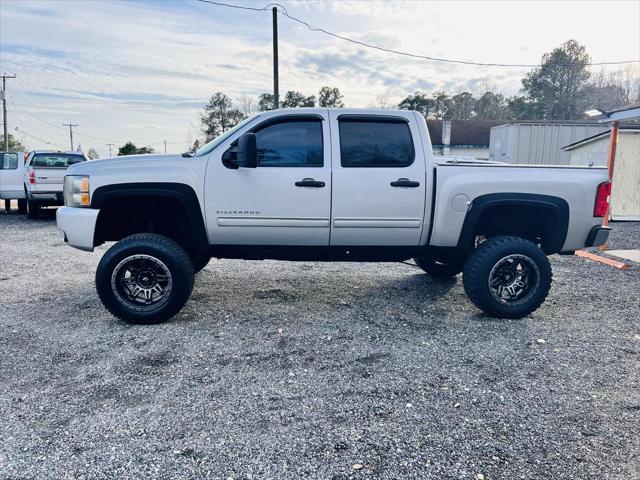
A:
(55, 160)
(221, 138)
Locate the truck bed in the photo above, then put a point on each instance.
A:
(456, 183)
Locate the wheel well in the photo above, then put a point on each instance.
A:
(125, 215)
(530, 222)
(542, 219)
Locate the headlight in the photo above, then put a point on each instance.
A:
(76, 191)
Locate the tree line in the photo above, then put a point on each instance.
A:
(561, 88)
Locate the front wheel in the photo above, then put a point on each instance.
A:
(144, 278)
(507, 277)
(199, 261)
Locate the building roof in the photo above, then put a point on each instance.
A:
(593, 123)
(597, 136)
(464, 133)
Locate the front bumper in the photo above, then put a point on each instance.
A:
(78, 226)
(597, 236)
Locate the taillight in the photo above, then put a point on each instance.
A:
(32, 177)
(602, 199)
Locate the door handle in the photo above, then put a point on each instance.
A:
(405, 182)
(309, 182)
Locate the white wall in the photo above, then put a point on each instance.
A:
(625, 194)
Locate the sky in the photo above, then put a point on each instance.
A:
(142, 70)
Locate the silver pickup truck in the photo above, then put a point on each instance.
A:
(328, 185)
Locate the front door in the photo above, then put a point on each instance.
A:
(379, 180)
(286, 200)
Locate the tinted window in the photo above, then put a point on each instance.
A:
(55, 160)
(385, 143)
(290, 144)
(9, 161)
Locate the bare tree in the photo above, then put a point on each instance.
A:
(247, 105)
(382, 100)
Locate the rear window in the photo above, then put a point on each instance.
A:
(55, 160)
(382, 142)
(8, 161)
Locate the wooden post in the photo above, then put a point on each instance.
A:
(613, 143)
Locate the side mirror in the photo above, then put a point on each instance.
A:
(247, 152)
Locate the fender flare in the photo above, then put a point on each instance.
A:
(183, 193)
(555, 206)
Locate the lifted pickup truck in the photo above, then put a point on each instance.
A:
(44, 178)
(327, 185)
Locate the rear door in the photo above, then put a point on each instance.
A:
(11, 173)
(378, 194)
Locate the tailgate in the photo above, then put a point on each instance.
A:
(48, 179)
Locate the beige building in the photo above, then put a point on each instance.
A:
(593, 150)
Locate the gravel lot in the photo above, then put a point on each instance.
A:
(310, 370)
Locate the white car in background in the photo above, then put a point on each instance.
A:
(44, 178)
(11, 179)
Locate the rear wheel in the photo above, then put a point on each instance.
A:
(145, 278)
(33, 209)
(440, 269)
(507, 277)
(22, 205)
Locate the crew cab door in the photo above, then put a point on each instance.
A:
(379, 180)
(286, 199)
(11, 173)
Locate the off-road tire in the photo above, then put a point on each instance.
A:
(440, 269)
(22, 205)
(33, 209)
(160, 247)
(478, 268)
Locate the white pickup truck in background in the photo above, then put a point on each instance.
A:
(328, 185)
(44, 178)
(11, 179)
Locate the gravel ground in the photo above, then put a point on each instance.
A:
(310, 370)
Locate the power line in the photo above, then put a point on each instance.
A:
(82, 134)
(22, 132)
(314, 28)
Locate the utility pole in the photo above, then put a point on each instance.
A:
(70, 125)
(165, 146)
(276, 93)
(109, 145)
(4, 109)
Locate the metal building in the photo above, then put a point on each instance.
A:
(538, 143)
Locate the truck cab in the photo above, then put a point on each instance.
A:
(329, 185)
